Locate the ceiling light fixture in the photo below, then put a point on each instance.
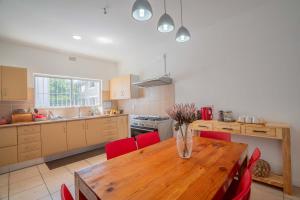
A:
(76, 37)
(182, 35)
(141, 10)
(105, 40)
(165, 23)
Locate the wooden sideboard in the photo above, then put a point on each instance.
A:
(276, 131)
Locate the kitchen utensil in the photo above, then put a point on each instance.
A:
(228, 116)
(206, 113)
(27, 117)
(248, 119)
(242, 119)
(221, 115)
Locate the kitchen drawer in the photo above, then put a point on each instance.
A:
(27, 130)
(109, 126)
(24, 139)
(260, 131)
(23, 148)
(203, 125)
(228, 127)
(29, 155)
(109, 120)
(8, 155)
(8, 136)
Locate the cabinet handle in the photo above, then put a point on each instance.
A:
(202, 126)
(257, 131)
(229, 129)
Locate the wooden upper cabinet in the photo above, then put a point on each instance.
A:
(54, 138)
(76, 134)
(13, 83)
(122, 88)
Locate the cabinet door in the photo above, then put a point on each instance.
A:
(14, 83)
(54, 138)
(120, 87)
(8, 136)
(123, 127)
(8, 155)
(76, 134)
(94, 132)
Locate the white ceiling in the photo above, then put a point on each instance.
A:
(51, 23)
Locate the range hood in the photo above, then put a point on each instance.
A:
(157, 81)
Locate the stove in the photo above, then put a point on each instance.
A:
(140, 124)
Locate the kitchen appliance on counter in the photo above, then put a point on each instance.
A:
(206, 113)
(140, 124)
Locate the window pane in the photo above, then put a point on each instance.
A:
(62, 92)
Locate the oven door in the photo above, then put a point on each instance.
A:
(137, 130)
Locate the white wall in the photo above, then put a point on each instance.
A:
(248, 63)
(39, 60)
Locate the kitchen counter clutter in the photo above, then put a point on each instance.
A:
(27, 141)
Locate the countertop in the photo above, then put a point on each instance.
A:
(60, 120)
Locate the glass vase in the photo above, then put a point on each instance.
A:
(184, 141)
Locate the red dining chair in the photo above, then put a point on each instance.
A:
(120, 147)
(216, 135)
(254, 158)
(244, 188)
(65, 193)
(147, 139)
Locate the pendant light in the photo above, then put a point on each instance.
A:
(165, 23)
(141, 10)
(182, 35)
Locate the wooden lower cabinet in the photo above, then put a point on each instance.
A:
(94, 133)
(54, 138)
(8, 137)
(76, 134)
(8, 155)
(123, 127)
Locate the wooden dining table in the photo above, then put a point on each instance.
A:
(157, 172)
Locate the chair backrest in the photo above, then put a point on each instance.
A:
(244, 187)
(254, 158)
(147, 139)
(65, 193)
(120, 147)
(216, 135)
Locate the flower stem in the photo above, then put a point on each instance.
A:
(184, 137)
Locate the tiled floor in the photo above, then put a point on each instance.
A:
(41, 183)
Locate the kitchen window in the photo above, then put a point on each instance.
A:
(56, 91)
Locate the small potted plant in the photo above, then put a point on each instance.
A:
(184, 115)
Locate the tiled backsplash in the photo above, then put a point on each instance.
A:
(152, 101)
(7, 107)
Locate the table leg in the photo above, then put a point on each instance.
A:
(286, 157)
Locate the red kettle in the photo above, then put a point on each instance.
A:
(206, 113)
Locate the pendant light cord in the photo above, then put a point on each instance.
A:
(165, 6)
(181, 12)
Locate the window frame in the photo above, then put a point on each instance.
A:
(72, 100)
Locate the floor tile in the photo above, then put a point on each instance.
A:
(3, 179)
(261, 191)
(295, 196)
(32, 194)
(96, 159)
(54, 183)
(54, 172)
(25, 184)
(77, 166)
(56, 195)
(48, 197)
(23, 174)
(3, 191)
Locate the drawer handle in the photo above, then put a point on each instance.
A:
(202, 126)
(256, 131)
(229, 129)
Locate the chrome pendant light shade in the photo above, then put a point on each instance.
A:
(165, 24)
(141, 10)
(182, 35)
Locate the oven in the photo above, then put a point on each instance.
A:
(137, 130)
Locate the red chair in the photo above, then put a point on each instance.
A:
(120, 147)
(147, 139)
(244, 188)
(254, 158)
(65, 193)
(216, 135)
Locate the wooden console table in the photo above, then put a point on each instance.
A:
(276, 131)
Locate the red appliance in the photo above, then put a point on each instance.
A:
(206, 113)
